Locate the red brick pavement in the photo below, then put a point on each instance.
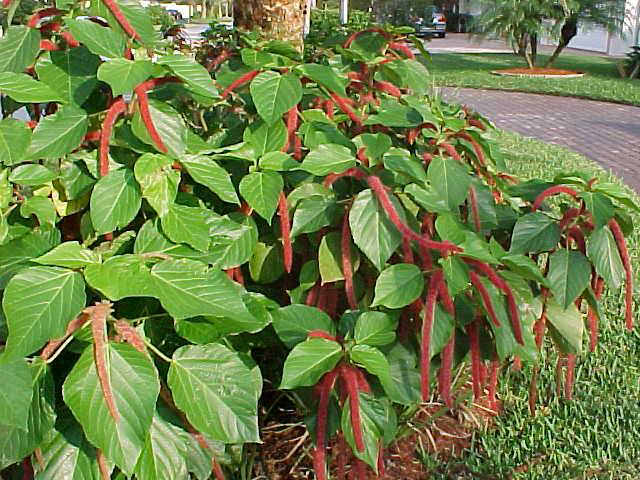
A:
(605, 132)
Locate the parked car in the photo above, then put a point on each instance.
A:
(175, 14)
(432, 22)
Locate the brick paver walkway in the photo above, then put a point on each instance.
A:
(605, 132)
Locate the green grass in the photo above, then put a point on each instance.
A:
(601, 82)
(597, 436)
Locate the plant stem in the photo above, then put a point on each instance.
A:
(152, 347)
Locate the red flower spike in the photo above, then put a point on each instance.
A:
(407, 253)
(360, 469)
(48, 45)
(247, 77)
(403, 48)
(118, 108)
(324, 395)
(343, 104)
(40, 14)
(329, 107)
(292, 127)
(351, 383)
(355, 35)
(626, 262)
(285, 229)
(445, 297)
(6, 3)
(122, 20)
(476, 359)
(363, 385)
(474, 122)
(331, 304)
(533, 392)
(476, 147)
(576, 234)
(98, 314)
(539, 329)
(145, 114)
(486, 298)
(570, 376)
(130, 335)
(347, 267)
(312, 296)
(592, 315)
(353, 172)
(549, 192)
(517, 364)
(362, 156)
(451, 151)
(427, 157)
(427, 325)
(493, 383)
(388, 88)
(444, 375)
(569, 216)
(70, 39)
(72, 326)
(219, 60)
(475, 213)
(50, 27)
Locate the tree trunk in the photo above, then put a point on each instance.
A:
(276, 19)
(569, 30)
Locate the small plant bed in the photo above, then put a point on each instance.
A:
(538, 72)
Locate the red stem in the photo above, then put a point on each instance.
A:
(347, 267)
(247, 77)
(626, 262)
(285, 229)
(118, 108)
(427, 325)
(122, 20)
(549, 192)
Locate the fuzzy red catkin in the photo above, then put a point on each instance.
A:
(425, 254)
(247, 77)
(122, 20)
(381, 194)
(331, 304)
(363, 385)
(576, 234)
(6, 3)
(292, 126)
(476, 147)
(445, 297)
(388, 88)
(53, 345)
(130, 335)
(355, 35)
(381, 466)
(297, 148)
(329, 107)
(570, 376)
(118, 107)
(444, 374)
(351, 383)
(40, 14)
(486, 298)
(216, 62)
(539, 329)
(50, 27)
(533, 392)
(551, 191)
(493, 383)
(312, 296)
(427, 325)
(237, 275)
(412, 134)
(451, 151)
(343, 104)
(427, 158)
(48, 45)
(475, 213)
(361, 469)
(347, 267)
(626, 262)
(98, 314)
(592, 315)
(145, 114)
(476, 360)
(217, 469)
(407, 252)
(516, 366)
(474, 122)
(353, 172)
(403, 48)
(570, 215)
(102, 465)
(70, 39)
(324, 395)
(285, 229)
(362, 156)
(322, 298)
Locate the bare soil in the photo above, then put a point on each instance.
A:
(538, 71)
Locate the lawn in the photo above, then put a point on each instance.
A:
(597, 436)
(602, 81)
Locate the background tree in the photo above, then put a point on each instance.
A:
(276, 19)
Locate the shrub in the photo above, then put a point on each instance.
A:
(320, 227)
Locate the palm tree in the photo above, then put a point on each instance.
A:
(276, 19)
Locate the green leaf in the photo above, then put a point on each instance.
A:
(264, 137)
(35, 316)
(124, 75)
(115, 201)
(428, 198)
(375, 144)
(261, 190)
(169, 124)
(59, 134)
(100, 40)
(373, 412)
(16, 443)
(443, 328)
(400, 160)
(187, 288)
(217, 391)
(71, 72)
(31, 175)
(375, 329)
(121, 441)
(208, 173)
(19, 48)
(328, 158)
(158, 181)
(449, 178)
(398, 286)
(135, 13)
(618, 193)
(266, 264)
(309, 361)
(455, 273)
(600, 206)
(330, 258)
(405, 375)
(525, 267)
(69, 255)
(15, 137)
(325, 76)
(193, 74)
(293, 323)
(534, 233)
(18, 253)
(569, 275)
(232, 243)
(121, 276)
(68, 455)
(566, 326)
(188, 225)
(274, 94)
(372, 230)
(25, 89)
(394, 114)
(312, 214)
(42, 208)
(15, 401)
(374, 362)
(278, 162)
(603, 252)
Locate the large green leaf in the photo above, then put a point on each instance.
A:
(71, 72)
(375, 328)
(309, 361)
(328, 158)
(217, 391)
(375, 362)
(69, 255)
(398, 286)
(158, 181)
(399, 160)
(25, 89)
(603, 252)
(18, 48)
(194, 74)
(274, 94)
(372, 230)
(169, 124)
(330, 258)
(59, 134)
(188, 225)
(40, 207)
(374, 416)
(261, 191)
(121, 276)
(16, 443)
(450, 179)
(207, 172)
(394, 114)
(294, 322)
(534, 233)
(566, 325)
(18, 253)
(187, 288)
(68, 455)
(600, 206)
(135, 13)
(100, 40)
(569, 275)
(36, 315)
(31, 175)
(115, 200)
(264, 137)
(124, 75)
(232, 243)
(325, 76)
(15, 137)
(375, 144)
(314, 213)
(135, 386)
(428, 198)
(15, 398)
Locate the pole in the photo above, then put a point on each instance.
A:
(344, 11)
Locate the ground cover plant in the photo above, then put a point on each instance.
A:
(181, 241)
(601, 82)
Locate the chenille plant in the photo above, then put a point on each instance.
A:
(175, 235)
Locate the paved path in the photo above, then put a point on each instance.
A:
(605, 132)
